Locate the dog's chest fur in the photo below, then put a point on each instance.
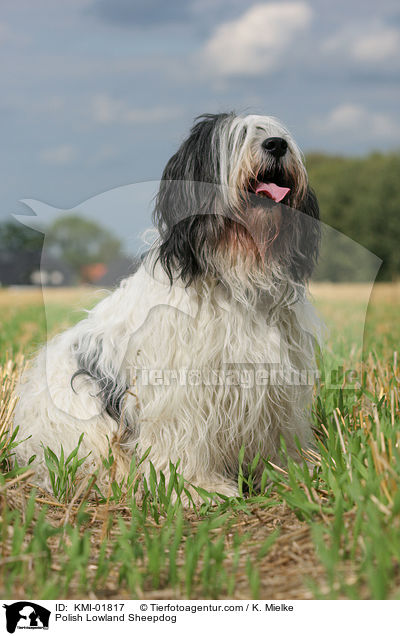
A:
(207, 373)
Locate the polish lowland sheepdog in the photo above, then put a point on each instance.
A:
(209, 346)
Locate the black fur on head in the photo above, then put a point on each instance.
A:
(186, 204)
(206, 199)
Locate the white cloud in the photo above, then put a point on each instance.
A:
(254, 43)
(59, 155)
(377, 47)
(355, 120)
(370, 43)
(108, 110)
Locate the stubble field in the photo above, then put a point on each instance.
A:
(332, 532)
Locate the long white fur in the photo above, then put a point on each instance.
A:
(146, 324)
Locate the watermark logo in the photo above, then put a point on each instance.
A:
(341, 259)
(26, 615)
(239, 375)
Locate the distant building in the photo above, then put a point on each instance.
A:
(28, 268)
(93, 272)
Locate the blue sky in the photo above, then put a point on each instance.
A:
(97, 94)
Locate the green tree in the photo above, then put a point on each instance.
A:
(79, 242)
(15, 237)
(360, 197)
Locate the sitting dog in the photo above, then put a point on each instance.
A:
(209, 345)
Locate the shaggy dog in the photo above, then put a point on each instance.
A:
(209, 345)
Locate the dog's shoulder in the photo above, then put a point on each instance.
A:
(137, 295)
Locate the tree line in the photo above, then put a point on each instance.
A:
(360, 197)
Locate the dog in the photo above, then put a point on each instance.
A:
(209, 345)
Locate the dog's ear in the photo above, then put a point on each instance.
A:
(186, 251)
(185, 217)
(310, 204)
(188, 205)
(308, 237)
(188, 181)
(180, 199)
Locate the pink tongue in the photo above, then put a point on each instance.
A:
(272, 190)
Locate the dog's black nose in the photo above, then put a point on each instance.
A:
(277, 146)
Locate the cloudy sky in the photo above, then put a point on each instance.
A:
(98, 93)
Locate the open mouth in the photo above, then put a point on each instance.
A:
(270, 186)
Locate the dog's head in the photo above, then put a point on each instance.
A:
(236, 194)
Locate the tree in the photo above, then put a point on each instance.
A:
(80, 242)
(15, 237)
(360, 197)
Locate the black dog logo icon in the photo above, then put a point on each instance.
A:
(26, 615)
